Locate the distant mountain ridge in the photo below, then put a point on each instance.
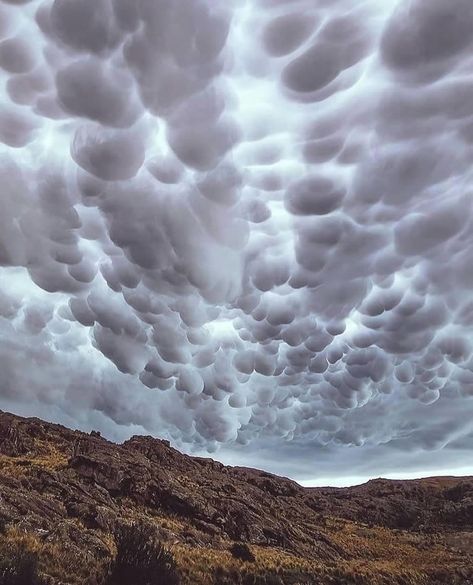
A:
(67, 492)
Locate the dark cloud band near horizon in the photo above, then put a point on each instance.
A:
(244, 226)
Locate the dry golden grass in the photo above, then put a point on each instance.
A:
(378, 556)
(373, 555)
(392, 549)
(47, 458)
(58, 560)
(14, 467)
(374, 558)
(199, 566)
(17, 537)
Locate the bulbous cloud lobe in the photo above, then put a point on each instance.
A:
(244, 226)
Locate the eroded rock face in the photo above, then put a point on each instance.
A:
(52, 478)
(432, 504)
(12, 442)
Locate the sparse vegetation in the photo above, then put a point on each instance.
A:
(115, 516)
(240, 550)
(25, 555)
(18, 565)
(142, 559)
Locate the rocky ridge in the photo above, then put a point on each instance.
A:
(69, 491)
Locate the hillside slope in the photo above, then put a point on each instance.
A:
(65, 493)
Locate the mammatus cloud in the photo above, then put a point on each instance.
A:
(242, 225)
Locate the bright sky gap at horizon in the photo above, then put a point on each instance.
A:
(244, 226)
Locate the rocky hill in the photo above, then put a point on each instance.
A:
(64, 494)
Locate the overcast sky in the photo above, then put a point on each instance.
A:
(244, 226)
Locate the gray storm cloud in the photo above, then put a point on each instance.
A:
(245, 226)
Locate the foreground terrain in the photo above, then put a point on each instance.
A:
(65, 494)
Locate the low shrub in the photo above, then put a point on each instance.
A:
(242, 551)
(142, 559)
(18, 566)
